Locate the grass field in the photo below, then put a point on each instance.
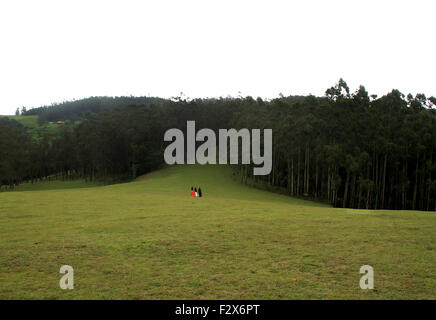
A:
(26, 121)
(31, 123)
(149, 240)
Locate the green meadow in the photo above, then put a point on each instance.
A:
(26, 121)
(32, 125)
(148, 239)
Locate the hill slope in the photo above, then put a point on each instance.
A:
(149, 240)
(26, 121)
(30, 123)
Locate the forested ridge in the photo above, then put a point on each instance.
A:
(77, 109)
(348, 148)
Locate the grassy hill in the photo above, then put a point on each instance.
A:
(26, 121)
(31, 123)
(149, 240)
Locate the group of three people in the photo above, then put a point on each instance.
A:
(195, 193)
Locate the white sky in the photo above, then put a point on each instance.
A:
(51, 51)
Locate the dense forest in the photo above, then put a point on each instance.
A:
(349, 149)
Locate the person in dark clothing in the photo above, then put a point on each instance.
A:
(199, 191)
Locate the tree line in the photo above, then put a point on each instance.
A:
(349, 149)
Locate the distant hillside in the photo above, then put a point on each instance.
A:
(25, 121)
(30, 124)
(9, 121)
(77, 109)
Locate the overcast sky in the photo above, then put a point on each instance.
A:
(51, 51)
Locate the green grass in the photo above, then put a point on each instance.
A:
(26, 121)
(45, 128)
(32, 125)
(149, 240)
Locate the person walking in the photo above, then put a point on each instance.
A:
(199, 192)
(196, 193)
(192, 192)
